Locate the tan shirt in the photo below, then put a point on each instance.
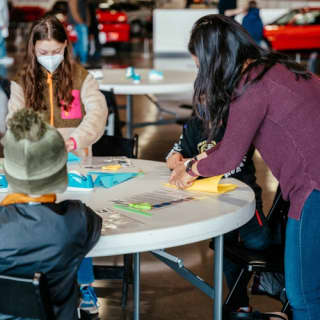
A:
(92, 125)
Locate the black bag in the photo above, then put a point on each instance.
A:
(271, 284)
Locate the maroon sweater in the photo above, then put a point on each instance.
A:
(281, 117)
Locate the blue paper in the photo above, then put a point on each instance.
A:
(3, 182)
(108, 180)
(73, 158)
(79, 182)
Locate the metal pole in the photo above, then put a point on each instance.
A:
(136, 286)
(218, 277)
(129, 115)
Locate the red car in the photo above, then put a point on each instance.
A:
(112, 25)
(299, 29)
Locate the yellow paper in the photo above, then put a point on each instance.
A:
(209, 185)
(112, 167)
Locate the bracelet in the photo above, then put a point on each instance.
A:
(74, 143)
(189, 165)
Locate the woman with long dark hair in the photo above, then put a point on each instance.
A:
(61, 90)
(266, 100)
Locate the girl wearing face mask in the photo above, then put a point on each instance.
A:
(68, 98)
(62, 91)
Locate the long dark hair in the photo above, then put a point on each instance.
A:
(224, 48)
(48, 28)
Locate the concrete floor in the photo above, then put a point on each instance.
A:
(164, 295)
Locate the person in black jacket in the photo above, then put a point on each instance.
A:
(255, 234)
(37, 234)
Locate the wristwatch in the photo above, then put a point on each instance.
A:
(188, 164)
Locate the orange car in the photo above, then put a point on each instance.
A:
(299, 29)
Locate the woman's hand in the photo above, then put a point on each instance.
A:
(70, 145)
(174, 160)
(180, 178)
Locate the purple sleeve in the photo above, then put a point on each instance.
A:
(245, 117)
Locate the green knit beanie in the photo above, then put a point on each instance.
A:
(35, 156)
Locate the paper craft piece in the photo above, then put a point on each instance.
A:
(209, 185)
(108, 180)
(150, 202)
(155, 75)
(73, 158)
(131, 209)
(141, 205)
(3, 183)
(112, 167)
(79, 182)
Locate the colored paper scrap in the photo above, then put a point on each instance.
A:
(141, 205)
(112, 167)
(108, 180)
(73, 158)
(210, 185)
(130, 209)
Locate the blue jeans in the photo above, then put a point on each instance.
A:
(85, 272)
(255, 234)
(81, 47)
(302, 257)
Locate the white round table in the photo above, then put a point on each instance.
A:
(174, 81)
(170, 226)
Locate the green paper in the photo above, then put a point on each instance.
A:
(141, 205)
(130, 209)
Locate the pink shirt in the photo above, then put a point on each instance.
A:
(281, 117)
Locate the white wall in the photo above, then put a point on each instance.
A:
(172, 27)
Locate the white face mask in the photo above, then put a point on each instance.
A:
(51, 63)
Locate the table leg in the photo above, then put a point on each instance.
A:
(218, 277)
(136, 286)
(129, 115)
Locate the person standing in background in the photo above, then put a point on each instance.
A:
(94, 44)
(252, 22)
(79, 17)
(4, 32)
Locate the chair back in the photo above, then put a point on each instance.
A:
(277, 218)
(25, 297)
(116, 146)
(114, 124)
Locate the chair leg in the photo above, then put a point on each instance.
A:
(286, 309)
(232, 290)
(127, 278)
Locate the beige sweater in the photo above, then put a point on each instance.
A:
(93, 123)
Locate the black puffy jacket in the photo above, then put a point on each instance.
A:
(51, 238)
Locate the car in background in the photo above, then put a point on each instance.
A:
(139, 17)
(112, 25)
(297, 30)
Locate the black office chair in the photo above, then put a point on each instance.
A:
(113, 110)
(117, 146)
(25, 297)
(269, 260)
